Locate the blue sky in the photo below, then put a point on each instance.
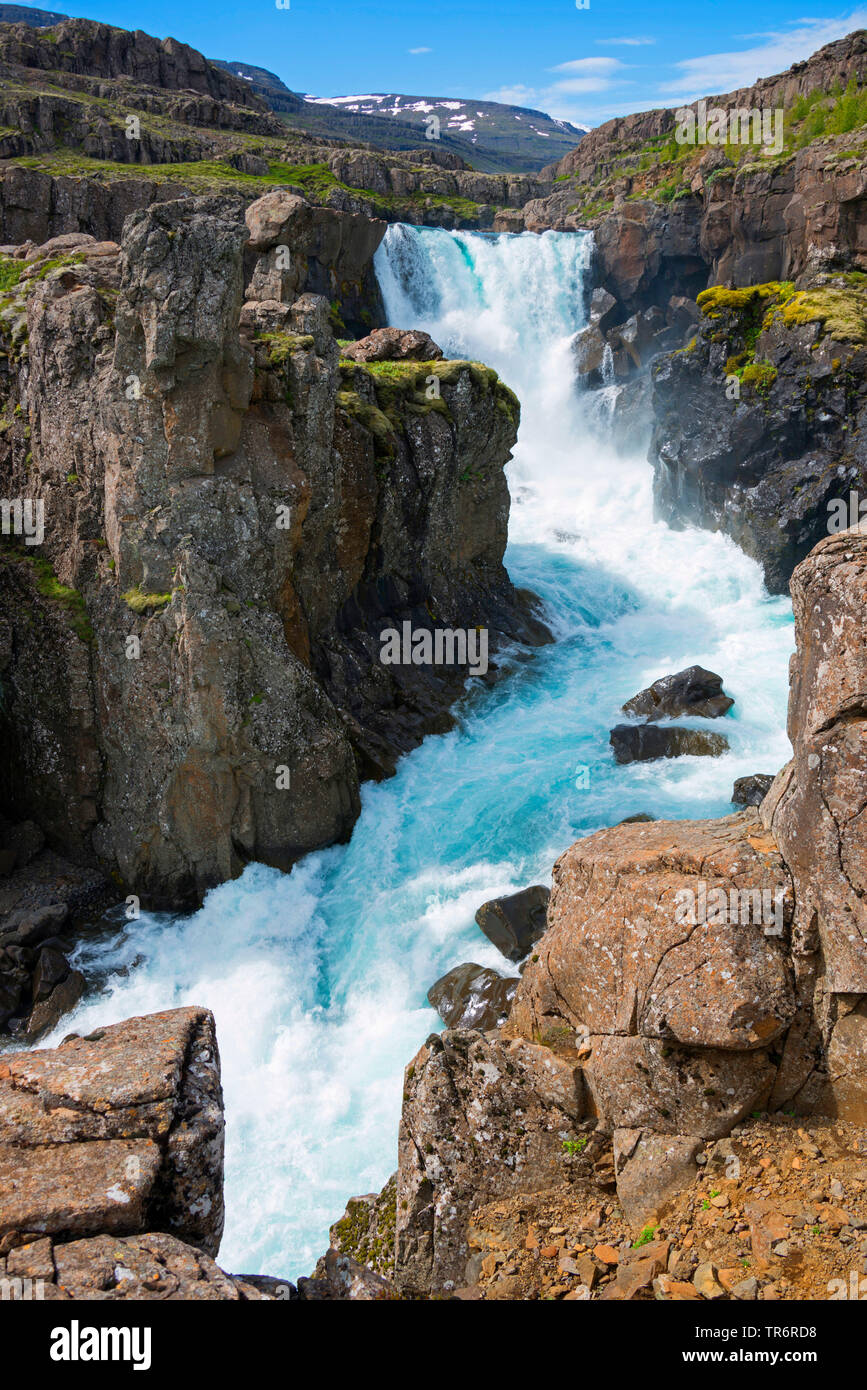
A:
(583, 65)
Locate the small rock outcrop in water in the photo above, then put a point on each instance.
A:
(751, 791)
(693, 691)
(514, 922)
(638, 743)
(472, 996)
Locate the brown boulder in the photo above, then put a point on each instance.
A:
(621, 956)
(121, 1132)
(394, 345)
(481, 1118)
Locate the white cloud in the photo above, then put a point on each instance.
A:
(589, 65)
(419, 50)
(582, 77)
(628, 43)
(573, 85)
(513, 96)
(723, 72)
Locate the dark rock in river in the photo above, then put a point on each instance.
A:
(751, 791)
(515, 922)
(645, 743)
(472, 996)
(37, 986)
(693, 691)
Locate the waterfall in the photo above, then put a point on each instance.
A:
(318, 978)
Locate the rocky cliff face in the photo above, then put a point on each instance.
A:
(673, 219)
(231, 519)
(760, 421)
(816, 812)
(79, 83)
(692, 975)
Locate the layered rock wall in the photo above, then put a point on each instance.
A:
(232, 518)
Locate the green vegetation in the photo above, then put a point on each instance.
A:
(841, 312)
(50, 587)
(314, 181)
(646, 1236)
(10, 272)
(373, 419)
(403, 388)
(141, 602)
(718, 300)
(743, 315)
(822, 113)
(280, 346)
(366, 1232)
(574, 1146)
(760, 375)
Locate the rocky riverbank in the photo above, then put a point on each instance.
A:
(543, 1156)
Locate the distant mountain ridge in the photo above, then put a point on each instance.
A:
(479, 130)
(25, 14)
(489, 136)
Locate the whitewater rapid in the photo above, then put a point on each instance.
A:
(318, 978)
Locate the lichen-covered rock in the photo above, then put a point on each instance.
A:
(666, 950)
(651, 1168)
(109, 1267)
(116, 1134)
(816, 810)
(480, 1117)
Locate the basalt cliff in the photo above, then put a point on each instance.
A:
(232, 516)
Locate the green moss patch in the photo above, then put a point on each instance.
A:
(760, 375)
(49, 587)
(719, 300)
(141, 602)
(10, 272)
(841, 312)
(280, 346)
